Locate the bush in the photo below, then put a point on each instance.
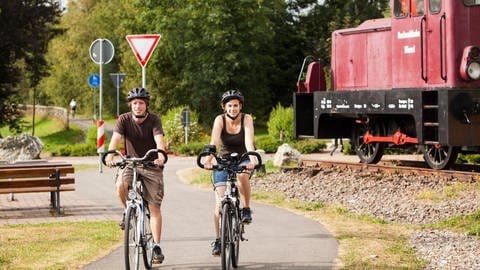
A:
(309, 146)
(190, 149)
(267, 143)
(280, 123)
(174, 130)
(469, 158)
(89, 148)
(348, 149)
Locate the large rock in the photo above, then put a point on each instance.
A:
(24, 147)
(286, 155)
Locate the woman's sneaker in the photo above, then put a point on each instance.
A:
(216, 247)
(157, 254)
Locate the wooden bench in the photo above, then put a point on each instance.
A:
(40, 176)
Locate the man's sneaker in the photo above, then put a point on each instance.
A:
(121, 224)
(246, 215)
(216, 247)
(157, 254)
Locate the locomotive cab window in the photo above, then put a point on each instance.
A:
(471, 2)
(435, 6)
(403, 8)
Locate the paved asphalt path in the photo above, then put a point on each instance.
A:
(277, 239)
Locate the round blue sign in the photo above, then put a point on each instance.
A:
(94, 80)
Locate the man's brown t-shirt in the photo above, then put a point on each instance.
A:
(139, 137)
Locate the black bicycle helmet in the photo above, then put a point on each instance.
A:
(232, 94)
(138, 92)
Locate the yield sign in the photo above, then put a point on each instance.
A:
(143, 46)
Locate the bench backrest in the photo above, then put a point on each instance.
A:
(25, 170)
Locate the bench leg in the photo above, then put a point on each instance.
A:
(58, 202)
(53, 200)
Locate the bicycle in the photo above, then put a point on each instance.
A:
(138, 234)
(231, 226)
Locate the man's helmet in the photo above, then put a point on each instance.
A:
(139, 92)
(232, 94)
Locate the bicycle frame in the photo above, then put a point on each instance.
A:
(138, 235)
(231, 228)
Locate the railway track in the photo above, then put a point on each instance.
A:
(461, 172)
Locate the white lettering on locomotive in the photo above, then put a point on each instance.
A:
(409, 34)
(326, 103)
(408, 50)
(405, 104)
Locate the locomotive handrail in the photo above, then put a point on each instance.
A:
(422, 25)
(443, 72)
(303, 66)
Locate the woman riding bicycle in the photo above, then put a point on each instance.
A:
(233, 130)
(139, 130)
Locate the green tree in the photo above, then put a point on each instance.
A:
(69, 56)
(322, 19)
(208, 47)
(25, 28)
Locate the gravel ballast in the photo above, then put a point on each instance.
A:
(395, 198)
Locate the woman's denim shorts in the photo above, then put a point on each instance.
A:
(220, 177)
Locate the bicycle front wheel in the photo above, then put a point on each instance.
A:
(132, 240)
(147, 243)
(226, 237)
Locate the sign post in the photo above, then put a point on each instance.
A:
(117, 79)
(186, 122)
(143, 47)
(101, 52)
(94, 82)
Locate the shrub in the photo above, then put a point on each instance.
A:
(348, 149)
(280, 123)
(267, 143)
(174, 130)
(309, 145)
(89, 148)
(190, 149)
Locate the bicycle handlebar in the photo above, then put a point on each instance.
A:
(126, 159)
(230, 162)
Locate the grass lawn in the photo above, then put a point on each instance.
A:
(63, 245)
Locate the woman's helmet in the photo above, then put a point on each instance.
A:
(232, 94)
(139, 92)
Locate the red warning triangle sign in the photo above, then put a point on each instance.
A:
(143, 46)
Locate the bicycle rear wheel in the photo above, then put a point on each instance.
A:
(236, 234)
(147, 243)
(132, 240)
(226, 237)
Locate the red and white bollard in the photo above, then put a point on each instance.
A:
(100, 140)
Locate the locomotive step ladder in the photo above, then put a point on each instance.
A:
(430, 110)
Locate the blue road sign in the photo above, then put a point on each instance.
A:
(94, 80)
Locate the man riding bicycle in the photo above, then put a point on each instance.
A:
(139, 130)
(233, 130)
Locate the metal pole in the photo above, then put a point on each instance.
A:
(101, 84)
(33, 112)
(118, 89)
(100, 100)
(95, 104)
(144, 79)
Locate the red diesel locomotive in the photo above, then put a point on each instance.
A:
(413, 79)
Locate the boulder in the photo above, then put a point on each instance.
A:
(286, 154)
(24, 147)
